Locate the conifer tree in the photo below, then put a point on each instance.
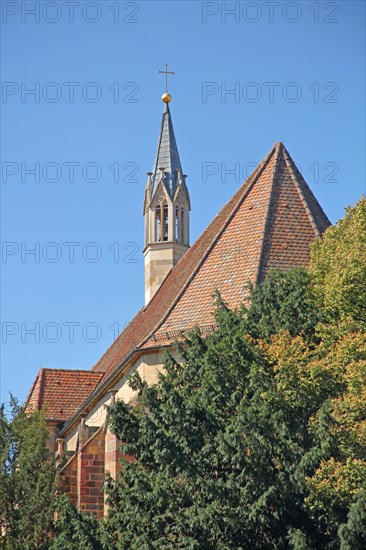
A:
(255, 436)
(73, 529)
(28, 481)
(252, 438)
(222, 449)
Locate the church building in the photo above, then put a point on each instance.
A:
(269, 223)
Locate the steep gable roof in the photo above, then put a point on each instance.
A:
(269, 223)
(61, 391)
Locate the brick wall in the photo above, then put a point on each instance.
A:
(69, 479)
(90, 475)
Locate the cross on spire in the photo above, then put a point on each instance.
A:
(166, 72)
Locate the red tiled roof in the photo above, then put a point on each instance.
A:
(269, 223)
(61, 391)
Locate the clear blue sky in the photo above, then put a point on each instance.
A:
(274, 53)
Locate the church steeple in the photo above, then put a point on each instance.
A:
(166, 208)
(167, 156)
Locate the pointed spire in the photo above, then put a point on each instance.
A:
(166, 208)
(167, 156)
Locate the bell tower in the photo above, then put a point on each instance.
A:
(166, 208)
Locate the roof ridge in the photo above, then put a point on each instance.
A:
(278, 148)
(245, 190)
(289, 164)
(31, 390)
(70, 370)
(126, 329)
(41, 387)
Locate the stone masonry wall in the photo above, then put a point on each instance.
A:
(90, 475)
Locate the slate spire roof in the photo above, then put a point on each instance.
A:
(269, 223)
(167, 156)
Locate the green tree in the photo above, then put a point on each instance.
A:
(353, 534)
(338, 268)
(73, 529)
(341, 478)
(338, 274)
(27, 480)
(255, 436)
(222, 449)
(283, 302)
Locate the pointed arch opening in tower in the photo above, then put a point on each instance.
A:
(176, 225)
(157, 224)
(181, 224)
(165, 222)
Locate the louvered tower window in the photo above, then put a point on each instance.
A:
(177, 224)
(165, 222)
(157, 224)
(181, 224)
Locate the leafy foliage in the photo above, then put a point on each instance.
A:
(338, 272)
(338, 268)
(342, 477)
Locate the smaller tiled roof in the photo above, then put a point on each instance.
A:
(61, 391)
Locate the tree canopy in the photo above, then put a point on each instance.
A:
(253, 437)
(28, 480)
(338, 267)
(223, 445)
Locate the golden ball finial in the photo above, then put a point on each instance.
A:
(166, 98)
